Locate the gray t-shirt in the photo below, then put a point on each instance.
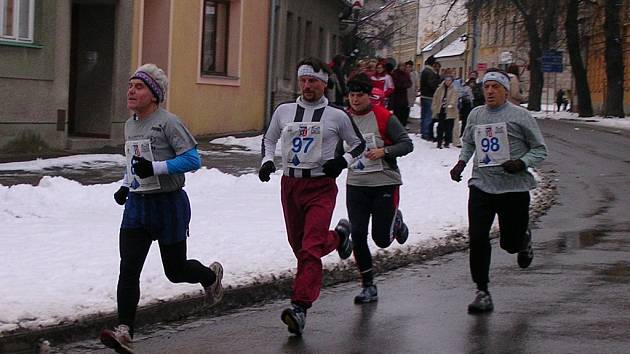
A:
(169, 138)
(400, 145)
(526, 143)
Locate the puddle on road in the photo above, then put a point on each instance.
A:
(568, 241)
(617, 273)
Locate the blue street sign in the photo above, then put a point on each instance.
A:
(552, 61)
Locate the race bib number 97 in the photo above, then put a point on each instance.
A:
(492, 144)
(302, 145)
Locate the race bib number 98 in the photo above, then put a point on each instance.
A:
(492, 144)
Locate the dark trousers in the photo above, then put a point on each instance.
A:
(426, 118)
(463, 114)
(379, 203)
(445, 131)
(402, 113)
(308, 204)
(134, 247)
(513, 211)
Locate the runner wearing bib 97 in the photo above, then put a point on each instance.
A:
(374, 181)
(505, 140)
(310, 130)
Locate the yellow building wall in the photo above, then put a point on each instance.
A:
(211, 108)
(596, 64)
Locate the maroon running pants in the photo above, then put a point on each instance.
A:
(308, 204)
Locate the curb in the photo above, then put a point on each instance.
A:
(262, 290)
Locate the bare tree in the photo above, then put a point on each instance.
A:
(614, 59)
(571, 26)
(540, 18)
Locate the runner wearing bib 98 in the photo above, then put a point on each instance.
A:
(505, 140)
(159, 150)
(374, 181)
(310, 130)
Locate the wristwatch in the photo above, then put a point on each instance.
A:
(386, 150)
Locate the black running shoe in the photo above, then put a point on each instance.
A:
(368, 294)
(295, 319)
(401, 231)
(482, 303)
(345, 244)
(526, 256)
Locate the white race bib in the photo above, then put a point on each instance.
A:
(302, 145)
(492, 147)
(363, 164)
(140, 148)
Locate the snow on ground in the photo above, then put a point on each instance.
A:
(609, 122)
(74, 161)
(60, 241)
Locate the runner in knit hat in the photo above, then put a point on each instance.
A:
(159, 150)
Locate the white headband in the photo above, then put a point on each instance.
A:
(498, 77)
(307, 70)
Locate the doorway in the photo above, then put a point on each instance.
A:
(91, 68)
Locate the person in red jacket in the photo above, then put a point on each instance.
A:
(381, 80)
(374, 181)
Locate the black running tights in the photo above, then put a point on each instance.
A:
(134, 247)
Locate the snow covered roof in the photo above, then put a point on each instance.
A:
(456, 47)
(438, 40)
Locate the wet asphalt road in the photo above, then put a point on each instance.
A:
(575, 298)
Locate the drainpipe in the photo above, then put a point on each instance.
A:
(271, 57)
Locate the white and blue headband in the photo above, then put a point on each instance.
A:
(499, 77)
(307, 70)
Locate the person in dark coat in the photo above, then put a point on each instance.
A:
(398, 101)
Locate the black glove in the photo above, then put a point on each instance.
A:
(121, 195)
(513, 166)
(332, 168)
(265, 170)
(456, 171)
(142, 167)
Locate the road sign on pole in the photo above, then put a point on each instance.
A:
(552, 61)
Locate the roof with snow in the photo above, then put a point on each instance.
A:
(430, 46)
(456, 47)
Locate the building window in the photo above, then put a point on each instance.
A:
(320, 44)
(289, 46)
(16, 20)
(214, 52)
(308, 41)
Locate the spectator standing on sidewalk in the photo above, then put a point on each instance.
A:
(445, 111)
(505, 140)
(159, 150)
(429, 81)
(310, 130)
(374, 181)
(412, 91)
(477, 90)
(338, 79)
(516, 93)
(383, 81)
(465, 106)
(398, 101)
